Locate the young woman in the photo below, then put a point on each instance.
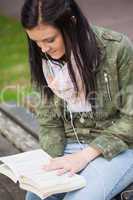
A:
(84, 74)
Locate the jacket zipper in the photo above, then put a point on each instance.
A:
(106, 78)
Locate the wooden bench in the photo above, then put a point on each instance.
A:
(15, 137)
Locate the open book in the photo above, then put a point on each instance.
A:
(27, 169)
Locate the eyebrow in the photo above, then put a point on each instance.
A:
(45, 39)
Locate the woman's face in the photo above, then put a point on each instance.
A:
(49, 39)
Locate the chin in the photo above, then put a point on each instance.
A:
(56, 56)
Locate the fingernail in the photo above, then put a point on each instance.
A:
(70, 174)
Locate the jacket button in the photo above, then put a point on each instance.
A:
(82, 120)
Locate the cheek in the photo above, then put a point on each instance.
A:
(60, 44)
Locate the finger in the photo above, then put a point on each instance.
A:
(62, 171)
(71, 173)
(53, 166)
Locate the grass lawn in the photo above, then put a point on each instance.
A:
(14, 67)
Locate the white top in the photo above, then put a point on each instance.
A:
(59, 81)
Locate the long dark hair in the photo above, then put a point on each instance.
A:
(77, 34)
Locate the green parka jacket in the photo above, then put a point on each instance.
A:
(111, 128)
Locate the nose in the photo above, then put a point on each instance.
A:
(45, 48)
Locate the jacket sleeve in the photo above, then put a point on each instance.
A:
(51, 134)
(119, 135)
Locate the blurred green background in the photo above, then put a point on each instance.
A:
(14, 66)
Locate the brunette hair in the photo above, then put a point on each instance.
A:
(78, 37)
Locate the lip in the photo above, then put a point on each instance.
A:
(52, 52)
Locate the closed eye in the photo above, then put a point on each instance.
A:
(50, 40)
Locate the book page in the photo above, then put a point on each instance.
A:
(27, 163)
(5, 170)
(28, 168)
(49, 179)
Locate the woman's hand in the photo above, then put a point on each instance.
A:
(72, 163)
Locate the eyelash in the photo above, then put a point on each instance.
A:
(52, 40)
